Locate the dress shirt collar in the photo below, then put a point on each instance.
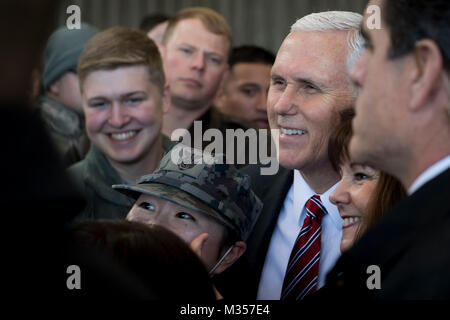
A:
(302, 192)
(430, 173)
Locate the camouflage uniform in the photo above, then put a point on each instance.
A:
(66, 130)
(94, 177)
(195, 176)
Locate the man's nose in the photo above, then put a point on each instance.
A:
(119, 116)
(198, 61)
(287, 104)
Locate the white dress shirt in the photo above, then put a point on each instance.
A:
(289, 223)
(430, 173)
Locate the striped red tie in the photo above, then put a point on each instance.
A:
(303, 267)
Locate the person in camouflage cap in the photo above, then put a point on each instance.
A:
(205, 201)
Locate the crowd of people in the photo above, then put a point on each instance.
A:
(362, 122)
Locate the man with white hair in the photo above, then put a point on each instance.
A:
(296, 240)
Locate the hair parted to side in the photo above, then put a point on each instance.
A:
(121, 47)
(210, 19)
(336, 21)
(156, 255)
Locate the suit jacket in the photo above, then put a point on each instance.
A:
(241, 280)
(411, 247)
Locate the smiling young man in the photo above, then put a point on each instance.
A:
(209, 205)
(402, 126)
(124, 99)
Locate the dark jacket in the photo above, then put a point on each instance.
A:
(94, 177)
(411, 247)
(66, 130)
(241, 280)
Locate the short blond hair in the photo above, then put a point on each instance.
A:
(121, 47)
(211, 20)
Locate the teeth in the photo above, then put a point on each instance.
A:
(123, 135)
(348, 221)
(292, 131)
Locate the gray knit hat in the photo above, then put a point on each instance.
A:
(218, 185)
(63, 50)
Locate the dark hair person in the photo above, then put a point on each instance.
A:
(164, 262)
(364, 194)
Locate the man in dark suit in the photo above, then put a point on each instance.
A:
(309, 87)
(402, 126)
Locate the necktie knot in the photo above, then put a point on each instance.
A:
(315, 208)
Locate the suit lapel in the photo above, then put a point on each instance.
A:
(273, 197)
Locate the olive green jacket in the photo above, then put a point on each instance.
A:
(66, 130)
(94, 177)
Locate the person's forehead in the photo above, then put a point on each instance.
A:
(182, 32)
(126, 79)
(244, 67)
(312, 55)
(254, 72)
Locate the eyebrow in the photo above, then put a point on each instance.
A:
(193, 47)
(309, 81)
(120, 97)
(129, 94)
(303, 80)
(249, 84)
(363, 166)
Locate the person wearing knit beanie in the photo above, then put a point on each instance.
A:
(60, 103)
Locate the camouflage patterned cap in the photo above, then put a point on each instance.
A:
(203, 177)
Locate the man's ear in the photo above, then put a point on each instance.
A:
(235, 253)
(427, 73)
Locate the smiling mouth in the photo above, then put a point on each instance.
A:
(121, 136)
(348, 221)
(292, 132)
